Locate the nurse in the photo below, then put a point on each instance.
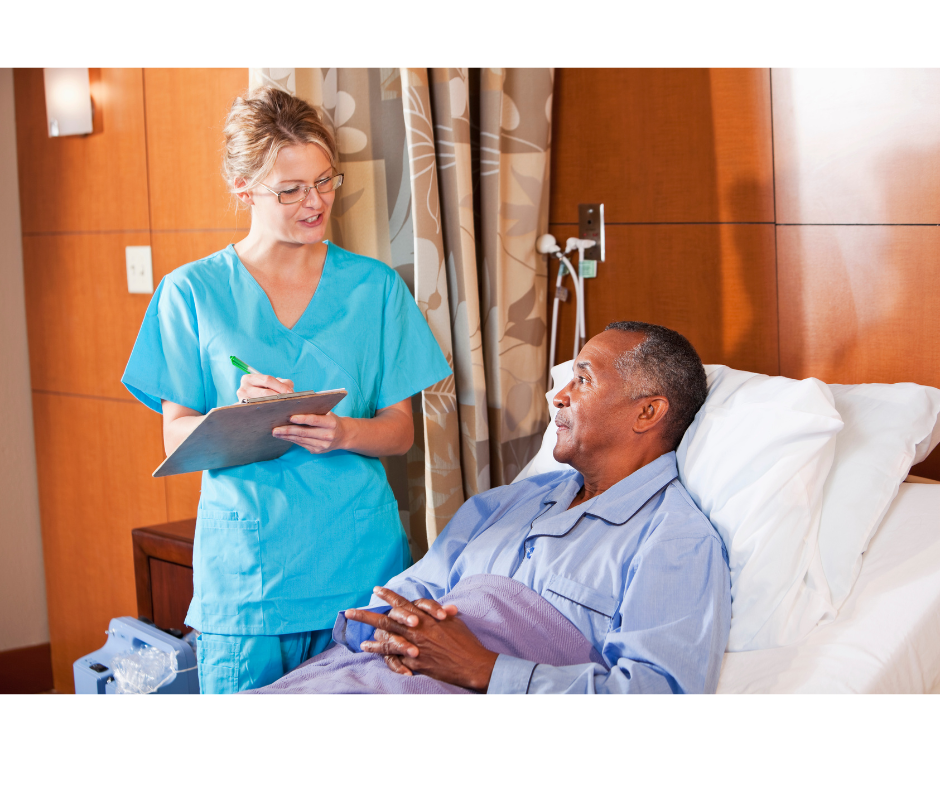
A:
(282, 545)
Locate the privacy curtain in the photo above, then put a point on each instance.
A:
(447, 174)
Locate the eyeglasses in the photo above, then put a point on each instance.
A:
(297, 193)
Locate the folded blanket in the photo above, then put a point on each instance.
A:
(507, 617)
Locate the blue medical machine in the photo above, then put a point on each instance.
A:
(93, 674)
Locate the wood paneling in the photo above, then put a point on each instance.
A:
(81, 320)
(186, 111)
(182, 495)
(663, 145)
(860, 304)
(929, 468)
(94, 458)
(98, 182)
(715, 284)
(173, 249)
(857, 146)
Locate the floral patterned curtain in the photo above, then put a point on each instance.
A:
(447, 174)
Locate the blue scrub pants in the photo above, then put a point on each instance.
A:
(232, 663)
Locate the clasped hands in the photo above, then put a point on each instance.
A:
(428, 638)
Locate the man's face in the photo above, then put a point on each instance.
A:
(594, 418)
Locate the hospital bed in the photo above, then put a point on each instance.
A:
(886, 637)
(882, 636)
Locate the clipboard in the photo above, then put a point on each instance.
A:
(241, 434)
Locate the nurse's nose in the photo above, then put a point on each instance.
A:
(313, 199)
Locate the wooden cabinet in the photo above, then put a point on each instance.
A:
(163, 571)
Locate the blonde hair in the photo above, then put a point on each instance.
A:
(262, 122)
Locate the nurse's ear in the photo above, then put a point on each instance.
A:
(239, 185)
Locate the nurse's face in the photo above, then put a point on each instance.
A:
(302, 222)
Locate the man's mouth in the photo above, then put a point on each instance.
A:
(561, 423)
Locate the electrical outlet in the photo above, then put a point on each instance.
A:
(139, 269)
(591, 227)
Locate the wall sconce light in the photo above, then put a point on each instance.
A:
(68, 101)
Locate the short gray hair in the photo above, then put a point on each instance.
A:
(663, 364)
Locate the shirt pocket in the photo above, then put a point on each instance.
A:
(588, 609)
(380, 543)
(227, 562)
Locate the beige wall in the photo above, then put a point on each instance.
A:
(23, 619)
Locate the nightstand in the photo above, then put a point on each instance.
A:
(163, 570)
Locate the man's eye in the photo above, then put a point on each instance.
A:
(580, 379)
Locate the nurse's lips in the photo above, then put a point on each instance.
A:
(312, 219)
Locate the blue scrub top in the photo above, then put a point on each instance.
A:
(282, 545)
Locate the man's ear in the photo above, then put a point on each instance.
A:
(652, 411)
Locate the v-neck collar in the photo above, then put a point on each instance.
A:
(243, 269)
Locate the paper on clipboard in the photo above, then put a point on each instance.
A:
(241, 434)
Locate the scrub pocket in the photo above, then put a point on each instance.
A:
(589, 610)
(227, 561)
(381, 542)
(218, 665)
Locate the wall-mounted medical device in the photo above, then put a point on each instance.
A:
(546, 244)
(591, 228)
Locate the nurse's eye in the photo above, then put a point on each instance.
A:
(290, 191)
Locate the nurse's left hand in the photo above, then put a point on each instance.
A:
(317, 434)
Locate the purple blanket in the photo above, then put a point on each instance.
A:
(505, 615)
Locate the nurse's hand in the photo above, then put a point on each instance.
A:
(258, 385)
(390, 432)
(317, 434)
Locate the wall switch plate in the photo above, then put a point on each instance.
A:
(139, 269)
(591, 227)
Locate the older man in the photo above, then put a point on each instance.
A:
(617, 546)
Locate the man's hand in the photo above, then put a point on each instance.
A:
(424, 637)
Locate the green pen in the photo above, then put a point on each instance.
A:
(246, 368)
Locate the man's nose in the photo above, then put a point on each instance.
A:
(562, 398)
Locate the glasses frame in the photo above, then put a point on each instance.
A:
(316, 185)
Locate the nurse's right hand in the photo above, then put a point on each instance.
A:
(258, 385)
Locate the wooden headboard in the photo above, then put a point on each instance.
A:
(786, 221)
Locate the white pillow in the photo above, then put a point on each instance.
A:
(888, 428)
(755, 460)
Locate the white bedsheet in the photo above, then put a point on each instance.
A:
(886, 637)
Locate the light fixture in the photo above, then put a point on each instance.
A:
(68, 101)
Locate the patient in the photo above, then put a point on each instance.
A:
(602, 579)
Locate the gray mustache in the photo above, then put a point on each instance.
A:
(561, 422)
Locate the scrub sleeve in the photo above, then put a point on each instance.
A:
(282, 545)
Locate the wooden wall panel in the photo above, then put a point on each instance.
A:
(186, 111)
(857, 146)
(173, 249)
(860, 304)
(82, 322)
(182, 495)
(715, 284)
(100, 180)
(94, 458)
(663, 145)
